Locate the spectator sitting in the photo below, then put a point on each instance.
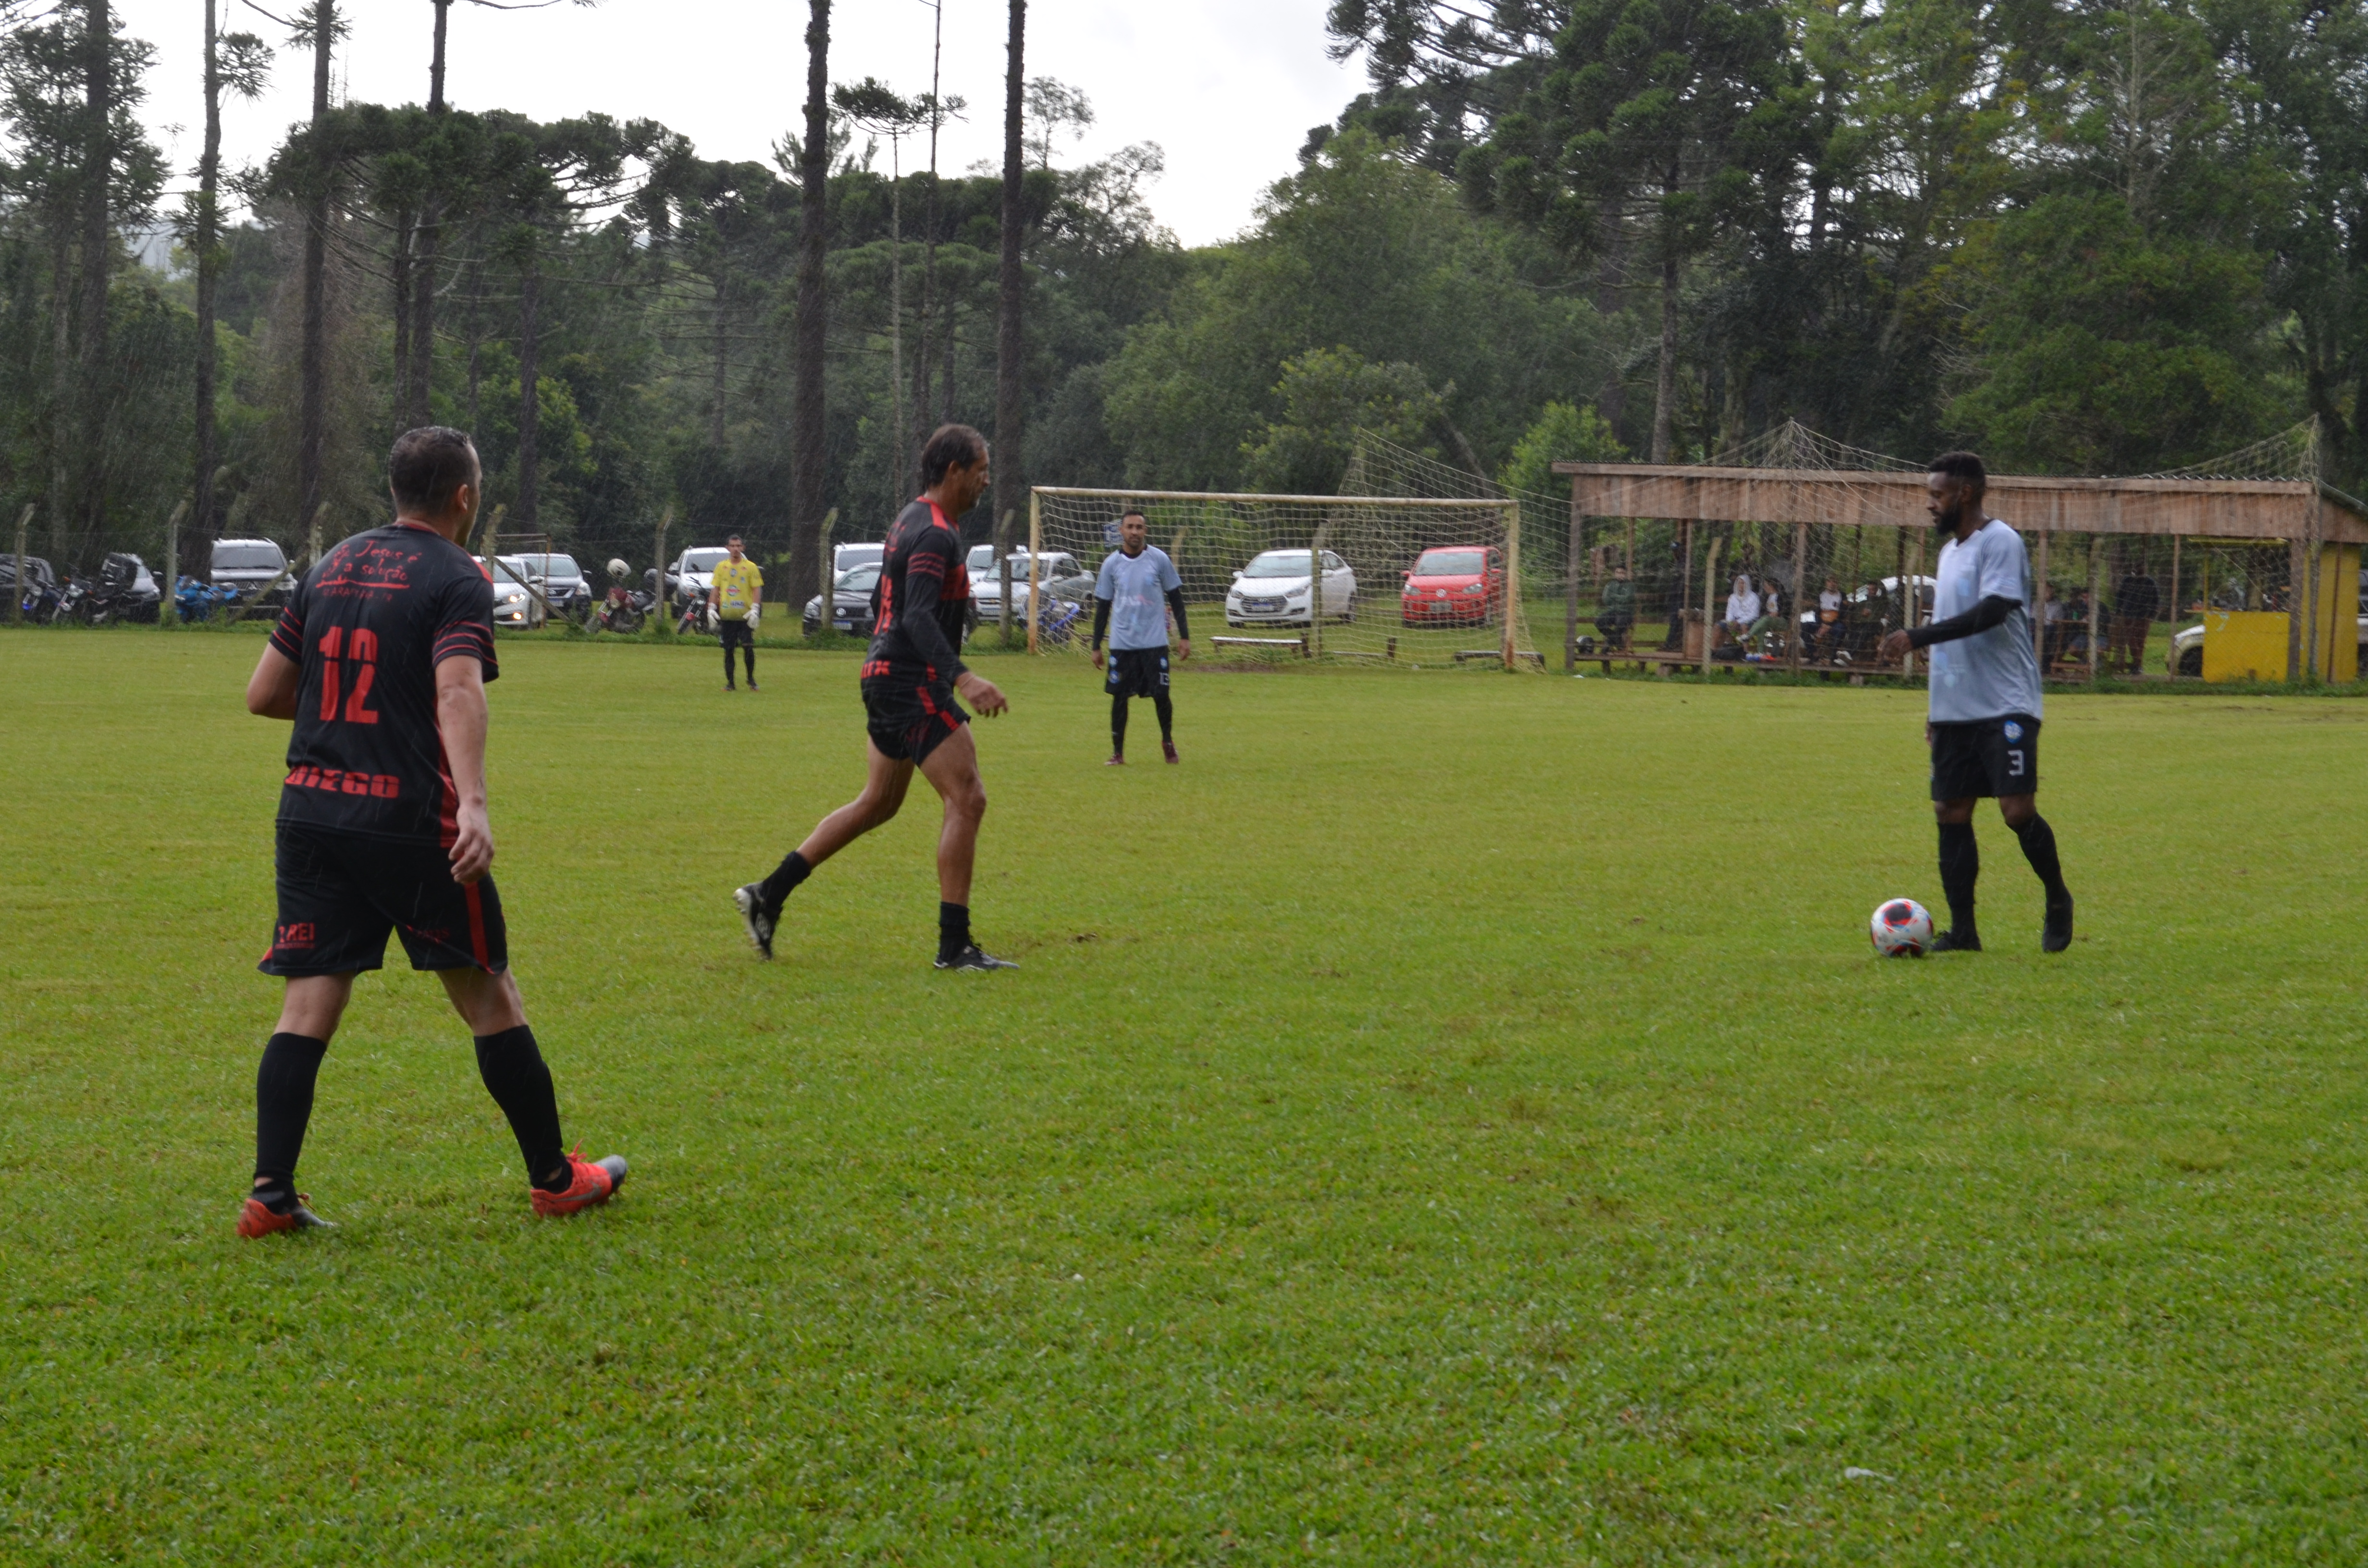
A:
(1770, 620)
(1616, 613)
(1830, 618)
(1742, 609)
(2135, 603)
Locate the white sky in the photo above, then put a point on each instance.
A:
(1228, 87)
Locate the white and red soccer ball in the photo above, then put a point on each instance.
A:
(1901, 929)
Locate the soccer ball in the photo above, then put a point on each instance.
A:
(1901, 929)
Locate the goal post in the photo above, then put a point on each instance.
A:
(1398, 581)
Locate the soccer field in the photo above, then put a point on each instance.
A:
(1452, 1118)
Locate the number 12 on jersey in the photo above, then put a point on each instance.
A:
(363, 652)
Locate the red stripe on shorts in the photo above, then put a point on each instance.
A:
(476, 926)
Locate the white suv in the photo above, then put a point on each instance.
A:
(254, 566)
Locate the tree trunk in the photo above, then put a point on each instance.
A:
(927, 321)
(313, 414)
(807, 489)
(948, 336)
(723, 364)
(420, 374)
(1665, 387)
(1010, 341)
(530, 396)
(98, 248)
(196, 553)
(63, 408)
(406, 231)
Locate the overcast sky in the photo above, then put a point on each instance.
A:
(1228, 87)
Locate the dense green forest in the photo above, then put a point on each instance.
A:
(2081, 237)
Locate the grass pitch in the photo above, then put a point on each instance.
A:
(1452, 1118)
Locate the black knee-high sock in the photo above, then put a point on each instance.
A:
(1167, 711)
(1118, 725)
(953, 928)
(2039, 848)
(1961, 865)
(785, 879)
(727, 664)
(748, 657)
(283, 1105)
(512, 1067)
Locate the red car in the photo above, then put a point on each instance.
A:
(1460, 584)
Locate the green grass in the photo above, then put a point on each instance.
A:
(1451, 1118)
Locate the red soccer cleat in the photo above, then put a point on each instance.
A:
(258, 1219)
(1116, 760)
(593, 1182)
(1169, 747)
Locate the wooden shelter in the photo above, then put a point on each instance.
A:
(2315, 521)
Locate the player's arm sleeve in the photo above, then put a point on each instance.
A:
(1101, 614)
(925, 587)
(1176, 604)
(1992, 611)
(465, 629)
(288, 637)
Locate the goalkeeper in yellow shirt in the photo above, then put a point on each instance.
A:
(739, 587)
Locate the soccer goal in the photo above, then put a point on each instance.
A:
(1404, 582)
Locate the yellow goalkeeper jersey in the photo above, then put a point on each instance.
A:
(738, 587)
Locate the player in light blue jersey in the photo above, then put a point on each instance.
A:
(1984, 729)
(1134, 595)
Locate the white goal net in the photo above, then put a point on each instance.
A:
(1406, 582)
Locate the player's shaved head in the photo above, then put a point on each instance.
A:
(427, 466)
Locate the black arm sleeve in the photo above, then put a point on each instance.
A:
(1176, 604)
(1991, 611)
(917, 616)
(1101, 620)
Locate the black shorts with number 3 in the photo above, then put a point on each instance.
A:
(1137, 672)
(1989, 756)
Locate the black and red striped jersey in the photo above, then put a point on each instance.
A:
(367, 626)
(923, 596)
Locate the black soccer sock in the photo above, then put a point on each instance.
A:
(1118, 725)
(727, 664)
(512, 1067)
(1961, 865)
(1165, 709)
(283, 1105)
(748, 657)
(953, 928)
(785, 879)
(2038, 842)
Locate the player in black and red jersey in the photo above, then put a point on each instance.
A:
(381, 660)
(910, 677)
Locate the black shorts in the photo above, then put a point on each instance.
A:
(1989, 756)
(909, 715)
(340, 893)
(737, 633)
(1137, 672)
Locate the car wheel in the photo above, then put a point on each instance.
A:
(2190, 663)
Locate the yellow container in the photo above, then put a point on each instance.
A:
(2245, 644)
(2253, 644)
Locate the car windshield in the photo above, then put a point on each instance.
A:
(982, 558)
(248, 558)
(702, 560)
(859, 579)
(1448, 563)
(1279, 564)
(558, 567)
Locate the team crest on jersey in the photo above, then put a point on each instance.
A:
(2013, 731)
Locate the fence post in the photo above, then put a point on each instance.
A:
(1709, 580)
(1315, 589)
(665, 621)
(1003, 573)
(1912, 592)
(1513, 582)
(2310, 649)
(2093, 616)
(1800, 589)
(172, 564)
(2038, 601)
(17, 596)
(312, 538)
(1035, 553)
(1570, 585)
(2170, 656)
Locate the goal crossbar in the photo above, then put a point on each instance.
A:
(1241, 496)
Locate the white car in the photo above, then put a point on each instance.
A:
(513, 605)
(693, 571)
(1272, 590)
(846, 557)
(1059, 574)
(258, 568)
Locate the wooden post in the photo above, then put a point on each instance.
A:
(1512, 581)
(2170, 656)
(2094, 615)
(1570, 586)
(1914, 595)
(1801, 598)
(1035, 552)
(2310, 653)
(1003, 572)
(172, 564)
(1315, 589)
(665, 621)
(1685, 576)
(1710, 584)
(2039, 623)
(312, 538)
(17, 596)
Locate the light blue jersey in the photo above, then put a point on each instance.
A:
(1993, 673)
(1137, 588)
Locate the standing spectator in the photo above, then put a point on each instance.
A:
(1742, 609)
(1616, 613)
(737, 588)
(2136, 604)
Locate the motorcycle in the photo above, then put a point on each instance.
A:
(194, 600)
(624, 609)
(694, 615)
(116, 596)
(68, 604)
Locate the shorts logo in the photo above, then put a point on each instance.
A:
(2013, 731)
(299, 935)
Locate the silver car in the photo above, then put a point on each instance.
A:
(514, 604)
(258, 568)
(851, 601)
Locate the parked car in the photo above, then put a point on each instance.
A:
(847, 557)
(1058, 573)
(1272, 590)
(559, 579)
(41, 592)
(850, 600)
(255, 567)
(693, 571)
(513, 605)
(124, 591)
(1455, 585)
